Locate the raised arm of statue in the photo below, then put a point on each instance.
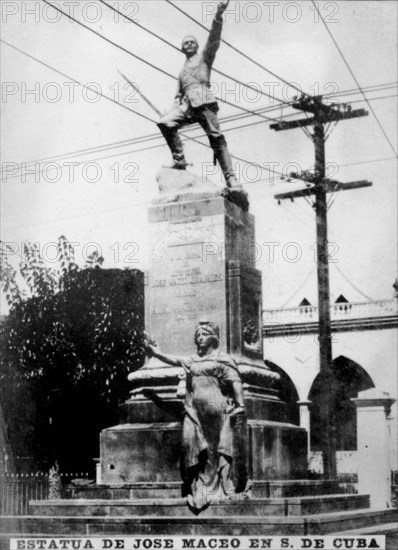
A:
(173, 360)
(214, 38)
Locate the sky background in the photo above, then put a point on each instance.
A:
(285, 37)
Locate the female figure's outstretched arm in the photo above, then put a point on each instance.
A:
(173, 360)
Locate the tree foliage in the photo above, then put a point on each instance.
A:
(71, 337)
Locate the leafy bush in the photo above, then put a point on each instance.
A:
(68, 343)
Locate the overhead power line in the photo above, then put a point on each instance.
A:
(100, 212)
(351, 283)
(137, 140)
(263, 168)
(140, 139)
(354, 77)
(88, 87)
(299, 288)
(373, 88)
(132, 141)
(77, 81)
(125, 142)
(154, 136)
(373, 98)
(368, 161)
(148, 148)
(159, 145)
(152, 65)
(225, 75)
(236, 49)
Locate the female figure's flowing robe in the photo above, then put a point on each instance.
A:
(209, 434)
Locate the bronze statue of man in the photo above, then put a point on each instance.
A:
(194, 101)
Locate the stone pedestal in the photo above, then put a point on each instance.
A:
(374, 470)
(202, 267)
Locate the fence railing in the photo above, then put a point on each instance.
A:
(17, 490)
(345, 310)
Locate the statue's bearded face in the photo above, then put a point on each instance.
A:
(189, 46)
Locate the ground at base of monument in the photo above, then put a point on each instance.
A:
(273, 488)
(344, 522)
(234, 505)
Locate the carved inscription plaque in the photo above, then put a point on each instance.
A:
(186, 286)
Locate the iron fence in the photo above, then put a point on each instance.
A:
(16, 490)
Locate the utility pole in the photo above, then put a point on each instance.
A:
(319, 186)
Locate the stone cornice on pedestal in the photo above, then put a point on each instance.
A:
(157, 371)
(374, 398)
(182, 186)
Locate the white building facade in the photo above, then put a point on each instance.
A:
(364, 346)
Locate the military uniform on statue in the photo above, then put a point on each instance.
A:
(194, 102)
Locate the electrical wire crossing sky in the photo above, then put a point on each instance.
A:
(80, 148)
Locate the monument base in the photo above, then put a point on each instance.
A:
(203, 267)
(150, 452)
(49, 524)
(365, 521)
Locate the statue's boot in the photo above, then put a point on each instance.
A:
(175, 145)
(224, 160)
(234, 192)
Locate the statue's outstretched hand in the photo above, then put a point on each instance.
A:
(150, 345)
(221, 7)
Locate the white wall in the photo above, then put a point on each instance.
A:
(374, 350)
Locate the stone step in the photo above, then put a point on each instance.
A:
(169, 489)
(382, 529)
(295, 488)
(291, 506)
(317, 524)
(173, 489)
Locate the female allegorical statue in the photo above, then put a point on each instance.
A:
(214, 426)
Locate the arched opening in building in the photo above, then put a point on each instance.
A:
(349, 378)
(288, 394)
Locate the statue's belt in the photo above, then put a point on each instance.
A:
(197, 84)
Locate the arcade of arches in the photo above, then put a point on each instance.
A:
(349, 378)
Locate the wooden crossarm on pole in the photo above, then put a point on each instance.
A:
(325, 187)
(319, 185)
(332, 116)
